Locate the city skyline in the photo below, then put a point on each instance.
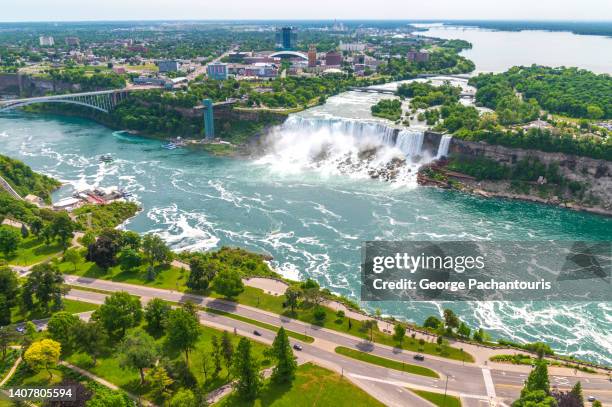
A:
(74, 10)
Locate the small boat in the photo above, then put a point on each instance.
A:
(170, 146)
(106, 158)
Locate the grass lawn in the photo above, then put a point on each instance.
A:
(168, 277)
(108, 366)
(438, 398)
(172, 278)
(313, 386)
(70, 306)
(384, 362)
(32, 250)
(24, 377)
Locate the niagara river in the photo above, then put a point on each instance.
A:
(311, 202)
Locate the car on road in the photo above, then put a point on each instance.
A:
(297, 347)
(20, 329)
(591, 398)
(256, 333)
(418, 356)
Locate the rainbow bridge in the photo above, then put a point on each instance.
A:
(103, 101)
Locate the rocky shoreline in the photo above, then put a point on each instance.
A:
(436, 175)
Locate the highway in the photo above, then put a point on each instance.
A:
(475, 384)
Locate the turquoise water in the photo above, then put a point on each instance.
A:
(310, 221)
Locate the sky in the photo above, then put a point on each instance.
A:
(74, 10)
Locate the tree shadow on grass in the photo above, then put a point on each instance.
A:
(268, 395)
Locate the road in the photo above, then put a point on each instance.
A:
(473, 383)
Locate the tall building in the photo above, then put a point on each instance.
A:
(312, 56)
(168, 66)
(333, 58)
(209, 119)
(46, 41)
(286, 38)
(418, 56)
(217, 71)
(72, 41)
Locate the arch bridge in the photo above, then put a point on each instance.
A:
(103, 101)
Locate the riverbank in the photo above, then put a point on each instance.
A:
(493, 171)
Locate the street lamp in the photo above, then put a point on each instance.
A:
(445, 389)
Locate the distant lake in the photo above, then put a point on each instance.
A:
(496, 51)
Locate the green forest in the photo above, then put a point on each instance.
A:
(567, 91)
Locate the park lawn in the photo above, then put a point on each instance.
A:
(438, 398)
(32, 250)
(384, 362)
(146, 67)
(174, 278)
(24, 377)
(167, 277)
(70, 306)
(108, 366)
(313, 386)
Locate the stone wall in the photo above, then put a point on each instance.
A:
(29, 86)
(597, 174)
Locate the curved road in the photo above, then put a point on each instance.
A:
(475, 384)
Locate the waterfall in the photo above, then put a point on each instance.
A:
(409, 142)
(443, 147)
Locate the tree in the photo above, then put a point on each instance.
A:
(182, 330)
(216, 353)
(44, 284)
(368, 325)
(286, 365)
(129, 259)
(93, 338)
(62, 328)
(399, 332)
(24, 231)
(9, 294)
(103, 252)
(72, 256)
(88, 239)
(292, 297)
(537, 379)
(138, 351)
(7, 337)
(43, 354)
(9, 241)
(205, 364)
(119, 312)
(450, 319)
(464, 330)
(156, 251)
(131, 240)
(246, 371)
(184, 398)
(536, 398)
(201, 273)
(63, 228)
(432, 322)
(577, 393)
(36, 226)
(227, 350)
(228, 283)
(155, 314)
(160, 382)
